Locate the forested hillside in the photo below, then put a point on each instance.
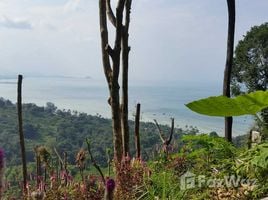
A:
(67, 130)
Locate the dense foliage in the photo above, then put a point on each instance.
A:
(250, 69)
(251, 61)
(219, 171)
(66, 131)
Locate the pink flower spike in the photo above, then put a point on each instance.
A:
(110, 184)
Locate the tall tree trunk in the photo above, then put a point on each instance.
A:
(137, 131)
(115, 90)
(22, 145)
(112, 79)
(229, 64)
(119, 109)
(125, 58)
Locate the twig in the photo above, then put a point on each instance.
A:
(93, 160)
(171, 131)
(58, 155)
(160, 131)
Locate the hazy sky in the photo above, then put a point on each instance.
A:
(170, 39)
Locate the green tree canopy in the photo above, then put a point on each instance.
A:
(250, 69)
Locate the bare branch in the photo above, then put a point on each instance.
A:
(94, 162)
(118, 36)
(171, 131)
(59, 157)
(159, 130)
(104, 40)
(110, 13)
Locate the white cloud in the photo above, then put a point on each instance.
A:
(15, 23)
(71, 5)
(165, 36)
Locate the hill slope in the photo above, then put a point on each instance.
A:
(67, 131)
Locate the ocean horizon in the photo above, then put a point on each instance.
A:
(158, 101)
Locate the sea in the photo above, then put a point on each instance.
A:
(159, 101)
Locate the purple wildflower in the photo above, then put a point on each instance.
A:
(2, 155)
(110, 184)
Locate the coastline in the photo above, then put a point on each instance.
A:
(161, 103)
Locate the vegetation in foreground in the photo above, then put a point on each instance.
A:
(205, 167)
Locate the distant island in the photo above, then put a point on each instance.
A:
(7, 77)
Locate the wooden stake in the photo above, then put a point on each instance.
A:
(137, 131)
(22, 144)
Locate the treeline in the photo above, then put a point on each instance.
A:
(67, 130)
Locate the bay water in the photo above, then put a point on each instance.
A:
(159, 101)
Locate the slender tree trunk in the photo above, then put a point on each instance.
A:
(125, 58)
(22, 145)
(137, 131)
(229, 64)
(116, 122)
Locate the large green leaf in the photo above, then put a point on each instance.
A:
(248, 104)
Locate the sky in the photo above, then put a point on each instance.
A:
(171, 40)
